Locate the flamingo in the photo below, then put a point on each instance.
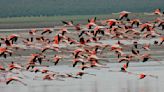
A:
(45, 71)
(147, 26)
(56, 59)
(13, 38)
(145, 57)
(124, 14)
(77, 27)
(98, 29)
(146, 47)
(2, 68)
(161, 24)
(84, 32)
(135, 43)
(69, 23)
(127, 59)
(160, 42)
(111, 22)
(32, 32)
(93, 52)
(32, 61)
(91, 23)
(14, 66)
(142, 75)
(158, 12)
(14, 78)
(71, 41)
(82, 73)
(135, 21)
(63, 30)
(116, 46)
(49, 76)
(126, 65)
(92, 20)
(83, 42)
(27, 42)
(49, 48)
(77, 52)
(36, 70)
(135, 52)
(94, 63)
(46, 30)
(75, 61)
(4, 51)
(82, 67)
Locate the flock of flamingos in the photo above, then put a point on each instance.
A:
(83, 44)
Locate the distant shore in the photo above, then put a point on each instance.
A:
(51, 21)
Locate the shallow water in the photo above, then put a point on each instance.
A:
(104, 81)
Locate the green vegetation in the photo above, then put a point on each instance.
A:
(17, 8)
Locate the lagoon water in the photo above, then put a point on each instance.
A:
(104, 81)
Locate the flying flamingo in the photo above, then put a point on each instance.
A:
(14, 78)
(91, 23)
(155, 12)
(14, 66)
(45, 71)
(2, 68)
(93, 59)
(49, 48)
(36, 70)
(127, 58)
(32, 32)
(69, 23)
(160, 42)
(82, 67)
(124, 14)
(63, 30)
(147, 26)
(135, 43)
(78, 27)
(77, 52)
(145, 57)
(135, 21)
(56, 59)
(49, 76)
(123, 68)
(46, 30)
(4, 51)
(111, 22)
(143, 75)
(82, 73)
(158, 12)
(75, 61)
(13, 38)
(146, 47)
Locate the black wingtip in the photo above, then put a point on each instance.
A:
(64, 22)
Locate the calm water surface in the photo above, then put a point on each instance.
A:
(104, 81)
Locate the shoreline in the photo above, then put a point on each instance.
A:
(51, 21)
